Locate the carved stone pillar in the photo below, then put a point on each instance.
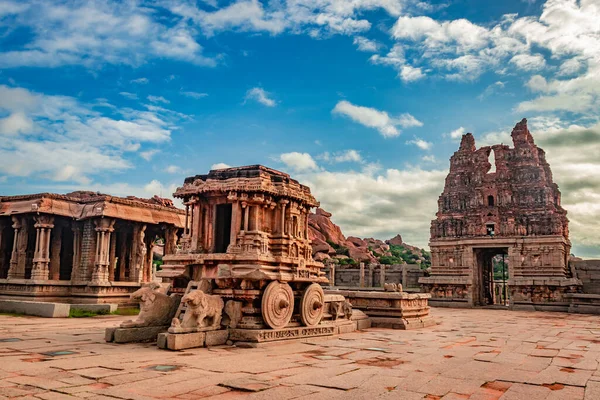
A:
(235, 223)
(138, 253)
(381, 274)
(170, 240)
(112, 258)
(283, 224)
(77, 242)
(362, 275)
(104, 229)
(41, 259)
(123, 257)
(16, 269)
(55, 246)
(246, 210)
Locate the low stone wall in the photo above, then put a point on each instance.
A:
(350, 276)
(40, 309)
(71, 292)
(51, 310)
(588, 271)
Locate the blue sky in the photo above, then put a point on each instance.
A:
(364, 100)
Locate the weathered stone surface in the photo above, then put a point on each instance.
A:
(396, 240)
(181, 341)
(133, 335)
(203, 312)
(156, 308)
(270, 335)
(216, 338)
(396, 310)
(82, 247)
(516, 211)
(322, 228)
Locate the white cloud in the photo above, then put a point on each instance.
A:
(220, 166)
(341, 156)
(141, 81)
(494, 88)
(15, 123)
(158, 99)
(194, 95)
(147, 155)
(457, 133)
(420, 143)
(411, 74)
(365, 203)
(66, 140)
(367, 45)
(298, 161)
(93, 33)
(527, 62)
(128, 95)
(260, 95)
(173, 169)
(373, 118)
(348, 155)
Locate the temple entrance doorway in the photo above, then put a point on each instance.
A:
(223, 228)
(491, 277)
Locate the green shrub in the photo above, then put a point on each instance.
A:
(78, 313)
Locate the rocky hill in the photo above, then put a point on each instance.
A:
(329, 243)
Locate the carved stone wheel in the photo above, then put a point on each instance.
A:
(277, 304)
(312, 305)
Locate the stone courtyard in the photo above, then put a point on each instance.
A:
(479, 354)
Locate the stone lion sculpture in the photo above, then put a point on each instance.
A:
(156, 308)
(203, 311)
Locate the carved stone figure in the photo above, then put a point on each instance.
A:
(392, 287)
(347, 309)
(156, 308)
(203, 311)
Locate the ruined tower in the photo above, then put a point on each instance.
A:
(500, 201)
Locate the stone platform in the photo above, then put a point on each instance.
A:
(470, 354)
(396, 310)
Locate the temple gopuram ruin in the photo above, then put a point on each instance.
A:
(501, 226)
(82, 247)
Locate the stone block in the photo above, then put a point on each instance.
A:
(37, 308)
(182, 341)
(161, 340)
(216, 338)
(347, 327)
(109, 334)
(143, 334)
(106, 308)
(363, 324)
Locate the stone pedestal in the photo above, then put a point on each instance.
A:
(182, 341)
(132, 335)
(396, 310)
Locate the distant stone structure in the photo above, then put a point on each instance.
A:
(82, 247)
(513, 211)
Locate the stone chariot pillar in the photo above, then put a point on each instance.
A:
(104, 229)
(41, 259)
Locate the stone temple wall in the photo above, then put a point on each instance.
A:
(588, 271)
(406, 274)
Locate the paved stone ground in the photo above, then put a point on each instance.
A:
(470, 354)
